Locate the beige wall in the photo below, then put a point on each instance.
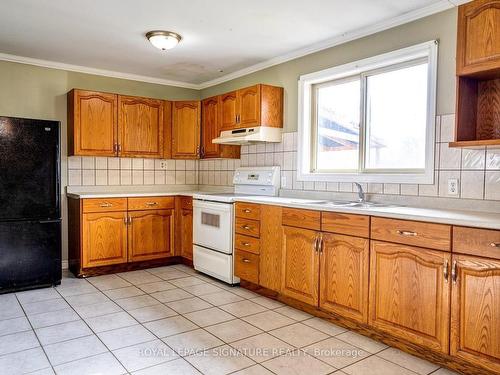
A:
(441, 26)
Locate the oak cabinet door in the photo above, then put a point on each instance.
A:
(271, 238)
(210, 127)
(475, 311)
(343, 282)
(478, 44)
(92, 119)
(150, 234)
(229, 110)
(186, 225)
(104, 239)
(186, 130)
(410, 293)
(300, 265)
(141, 127)
(249, 106)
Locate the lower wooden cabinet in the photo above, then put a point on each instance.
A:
(150, 234)
(344, 264)
(104, 239)
(475, 311)
(246, 266)
(410, 293)
(186, 233)
(300, 264)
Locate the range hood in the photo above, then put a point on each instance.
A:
(249, 135)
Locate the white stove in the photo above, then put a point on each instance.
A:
(213, 220)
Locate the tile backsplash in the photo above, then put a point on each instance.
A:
(477, 170)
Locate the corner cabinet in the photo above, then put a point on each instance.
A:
(186, 129)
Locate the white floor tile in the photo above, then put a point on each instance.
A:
(105, 364)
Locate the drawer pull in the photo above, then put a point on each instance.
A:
(106, 204)
(247, 211)
(246, 227)
(245, 260)
(495, 244)
(245, 244)
(406, 233)
(151, 204)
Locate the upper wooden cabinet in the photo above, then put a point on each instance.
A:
(186, 129)
(410, 293)
(140, 127)
(478, 39)
(92, 123)
(475, 311)
(259, 105)
(211, 123)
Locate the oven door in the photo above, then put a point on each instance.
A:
(213, 225)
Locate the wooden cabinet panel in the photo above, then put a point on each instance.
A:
(150, 203)
(141, 127)
(247, 210)
(247, 227)
(104, 204)
(104, 239)
(210, 126)
(415, 233)
(352, 225)
(475, 241)
(300, 265)
(271, 239)
(186, 202)
(344, 273)
(229, 109)
(475, 312)
(186, 130)
(297, 217)
(410, 293)
(249, 107)
(246, 243)
(92, 123)
(150, 234)
(478, 40)
(186, 233)
(246, 266)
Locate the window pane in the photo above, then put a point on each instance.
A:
(338, 126)
(396, 116)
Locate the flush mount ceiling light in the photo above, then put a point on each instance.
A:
(163, 39)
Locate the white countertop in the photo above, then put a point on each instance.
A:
(104, 194)
(454, 217)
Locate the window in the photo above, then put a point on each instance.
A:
(371, 120)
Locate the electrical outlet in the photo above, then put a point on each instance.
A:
(453, 186)
(163, 165)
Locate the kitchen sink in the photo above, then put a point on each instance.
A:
(357, 204)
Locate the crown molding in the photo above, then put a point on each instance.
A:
(316, 47)
(94, 71)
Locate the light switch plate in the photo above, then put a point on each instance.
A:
(453, 186)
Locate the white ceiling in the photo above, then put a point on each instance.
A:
(229, 35)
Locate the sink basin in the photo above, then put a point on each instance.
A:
(300, 201)
(357, 204)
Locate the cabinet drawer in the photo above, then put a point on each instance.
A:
(307, 219)
(186, 203)
(351, 225)
(150, 203)
(246, 266)
(474, 241)
(416, 233)
(250, 244)
(104, 205)
(247, 227)
(247, 211)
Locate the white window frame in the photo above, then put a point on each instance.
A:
(305, 157)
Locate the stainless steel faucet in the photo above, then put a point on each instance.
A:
(361, 193)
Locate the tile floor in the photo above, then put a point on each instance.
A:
(173, 320)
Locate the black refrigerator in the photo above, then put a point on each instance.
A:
(30, 212)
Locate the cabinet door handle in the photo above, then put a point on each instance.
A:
(454, 272)
(315, 246)
(495, 244)
(119, 147)
(245, 260)
(151, 204)
(115, 147)
(247, 211)
(125, 220)
(106, 204)
(406, 233)
(321, 243)
(445, 270)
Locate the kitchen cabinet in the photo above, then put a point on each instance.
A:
(150, 234)
(410, 293)
(344, 264)
(271, 238)
(246, 266)
(104, 238)
(140, 127)
(475, 310)
(186, 130)
(300, 267)
(210, 129)
(258, 105)
(184, 227)
(92, 123)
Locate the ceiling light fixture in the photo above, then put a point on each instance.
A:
(163, 39)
